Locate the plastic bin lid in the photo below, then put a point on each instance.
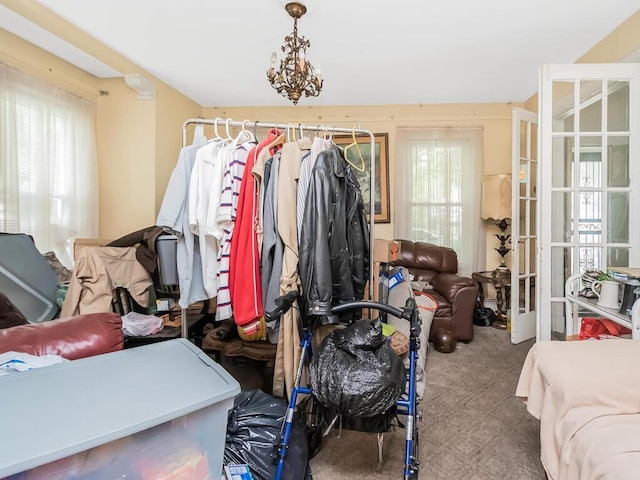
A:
(26, 278)
(57, 411)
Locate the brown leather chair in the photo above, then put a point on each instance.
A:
(456, 295)
(71, 338)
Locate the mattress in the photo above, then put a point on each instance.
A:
(580, 391)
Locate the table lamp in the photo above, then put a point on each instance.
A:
(496, 207)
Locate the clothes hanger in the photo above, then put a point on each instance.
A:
(215, 128)
(325, 136)
(226, 127)
(288, 131)
(279, 140)
(245, 134)
(360, 167)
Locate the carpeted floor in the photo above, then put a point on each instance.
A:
(473, 429)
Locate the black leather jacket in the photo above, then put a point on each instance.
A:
(334, 244)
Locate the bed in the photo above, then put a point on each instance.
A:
(586, 395)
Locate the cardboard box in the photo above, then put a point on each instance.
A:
(385, 251)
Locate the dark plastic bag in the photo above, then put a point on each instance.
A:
(253, 428)
(356, 373)
(484, 317)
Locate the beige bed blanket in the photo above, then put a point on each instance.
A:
(578, 390)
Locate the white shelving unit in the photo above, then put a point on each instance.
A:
(573, 301)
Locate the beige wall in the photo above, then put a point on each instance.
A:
(126, 150)
(172, 109)
(620, 43)
(494, 118)
(138, 145)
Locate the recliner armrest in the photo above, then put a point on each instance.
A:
(72, 337)
(449, 284)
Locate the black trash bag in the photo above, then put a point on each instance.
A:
(356, 373)
(484, 316)
(253, 429)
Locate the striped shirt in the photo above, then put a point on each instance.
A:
(237, 158)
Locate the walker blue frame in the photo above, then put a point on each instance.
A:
(407, 407)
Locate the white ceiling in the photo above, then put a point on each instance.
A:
(371, 51)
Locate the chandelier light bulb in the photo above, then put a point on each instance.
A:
(301, 60)
(272, 68)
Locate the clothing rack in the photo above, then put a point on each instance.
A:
(318, 129)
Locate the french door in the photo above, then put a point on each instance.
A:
(588, 176)
(524, 235)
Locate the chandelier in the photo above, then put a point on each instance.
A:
(295, 76)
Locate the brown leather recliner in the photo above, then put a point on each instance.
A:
(71, 338)
(456, 295)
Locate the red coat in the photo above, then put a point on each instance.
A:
(244, 272)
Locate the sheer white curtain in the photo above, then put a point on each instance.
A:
(48, 164)
(439, 175)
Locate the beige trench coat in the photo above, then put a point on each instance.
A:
(288, 352)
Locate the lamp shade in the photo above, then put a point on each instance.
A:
(496, 196)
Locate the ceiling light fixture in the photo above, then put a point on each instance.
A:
(296, 76)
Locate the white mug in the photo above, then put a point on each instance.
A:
(608, 295)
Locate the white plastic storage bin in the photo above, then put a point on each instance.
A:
(153, 412)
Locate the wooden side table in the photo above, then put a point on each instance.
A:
(501, 281)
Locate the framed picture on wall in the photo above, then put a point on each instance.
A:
(361, 169)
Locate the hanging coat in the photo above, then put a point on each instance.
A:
(288, 352)
(334, 248)
(244, 259)
(174, 217)
(272, 250)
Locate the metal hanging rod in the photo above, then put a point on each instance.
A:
(280, 126)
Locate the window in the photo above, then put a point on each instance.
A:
(48, 164)
(438, 193)
(590, 216)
